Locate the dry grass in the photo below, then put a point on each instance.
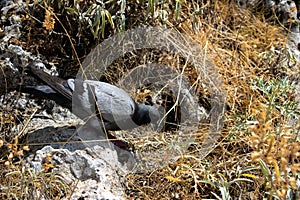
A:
(258, 154)
(19, 181)
(259, 151)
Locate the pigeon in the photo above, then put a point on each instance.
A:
(113, 107)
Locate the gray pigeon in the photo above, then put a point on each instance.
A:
(114, 108)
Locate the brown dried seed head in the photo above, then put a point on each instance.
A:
(7, 163)
(19, 153)
(25, 148)
(255, 156)
(11, 155)
(293, 183)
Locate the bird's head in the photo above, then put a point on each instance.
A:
(154, 115)
(147, 114)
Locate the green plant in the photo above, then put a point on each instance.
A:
(223, 184)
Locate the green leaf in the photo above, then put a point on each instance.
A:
(110, 20)
(103, 23)
(265, 170)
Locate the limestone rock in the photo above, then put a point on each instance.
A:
(92, 171)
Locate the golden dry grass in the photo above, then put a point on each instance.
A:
(257, 135)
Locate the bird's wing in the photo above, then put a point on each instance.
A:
(112, 102)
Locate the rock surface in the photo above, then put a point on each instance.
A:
(88, 171)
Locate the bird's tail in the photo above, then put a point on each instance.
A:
(46, 92)
(57, 84)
